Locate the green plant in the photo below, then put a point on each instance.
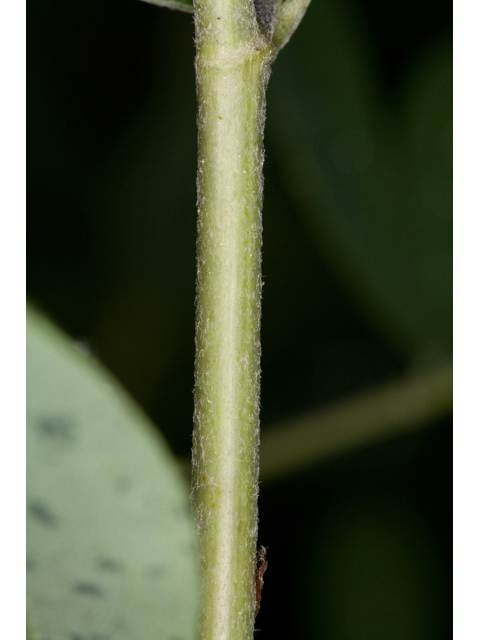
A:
(364, 180)
(236, 43)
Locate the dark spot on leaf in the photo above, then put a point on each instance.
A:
(88, 589)
(30, 565)
(155, 570)
(120, 623)
(94, 636)
(109, 565)
(43, 514)
(57, 428)
(123, 484)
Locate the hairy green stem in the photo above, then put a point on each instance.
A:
(232, 67)
(236, 43)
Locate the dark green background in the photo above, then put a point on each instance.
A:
(357, 264)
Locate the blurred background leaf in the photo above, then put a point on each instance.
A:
(110, 542)
(373, 178)
(356, 260)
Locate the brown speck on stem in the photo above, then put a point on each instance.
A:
(261, 568)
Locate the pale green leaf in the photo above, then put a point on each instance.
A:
(179, 5)
(371, 171)
(110, 542)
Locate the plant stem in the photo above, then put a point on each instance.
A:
(234, 53)
(290, 15)
(232, 67)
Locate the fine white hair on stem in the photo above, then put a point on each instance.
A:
(234, 53)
